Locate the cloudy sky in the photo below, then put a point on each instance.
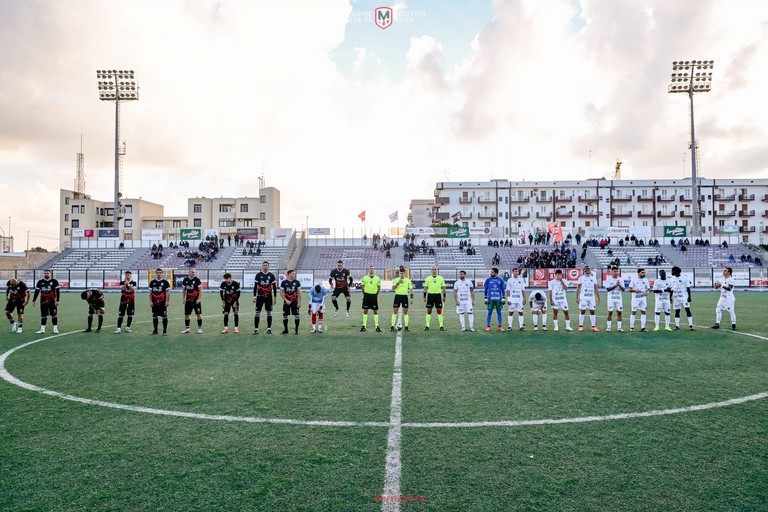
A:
(343, 116)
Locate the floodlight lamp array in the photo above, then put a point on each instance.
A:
(117, 85)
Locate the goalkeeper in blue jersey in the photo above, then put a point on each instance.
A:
(494, 290)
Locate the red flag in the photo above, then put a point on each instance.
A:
(557, 233)
(362, 216)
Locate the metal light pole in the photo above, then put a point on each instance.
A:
(117, 86)
(686, 78)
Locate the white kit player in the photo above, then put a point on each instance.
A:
(662, 289)
(614, 285)
(516, 298)
(727, 300)
(640, 287)
(464, 295)
(681, 296)
(558, 287)
(588, 297)
(538, 303)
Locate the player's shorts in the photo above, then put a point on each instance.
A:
(189, 307)
(538, 307)
(662, 306)
(434, 300)
(315, 308)
(682, 303)
(401, 301)
(726, 304)
(560, 304)
(370, 301)
(340, 291)
(464, 306)
(17, 305)
(615, 305)
(233, 306)
(160, 310)
(641, 304)
(587, 303)
(264, 302)
(290, 308)
(516, 305)
(494, 304)
(48, 309)
(96, 307)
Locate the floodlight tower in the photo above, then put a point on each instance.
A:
(117, 86)
(690, 76)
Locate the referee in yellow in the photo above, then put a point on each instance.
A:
(401, 286)
(434, 295)
(371, 284)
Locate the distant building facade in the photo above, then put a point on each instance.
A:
(729, 207)
(81, 216)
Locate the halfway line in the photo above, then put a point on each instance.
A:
(393, 468)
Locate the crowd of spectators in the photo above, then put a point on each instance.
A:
(560, 257)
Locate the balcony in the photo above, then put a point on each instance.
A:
(621, 199)
(685, 214)
(765, 213)
(723, 197)
(487, 215)
(520, 215)
(727, 213)
(667, 199)
(587, 199)
(519, 199)
(746, 229)
(439, 201)
(645, 199)
(588, 215)
(540, 215)
(465, 200)
(621, 214)
(683, 199)
(765, 229)
(765, 198)
(466, 215)
(666, 214)
(746, 213)
(646, 214)
(566, 199)
(746, 197)
(564, 215)
(440, 216)
(486, 200)
(544, 200)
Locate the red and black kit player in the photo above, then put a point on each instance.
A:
(290, 291)
(48, 290)
(16, 296)
(159, 298)
(192, 295)
(127, 302)
(230, 301)
(341, 280)
(95, 300)
(264, 296)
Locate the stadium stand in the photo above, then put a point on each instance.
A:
(238, 261)
(91, 259)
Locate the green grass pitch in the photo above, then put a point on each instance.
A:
(63, 455)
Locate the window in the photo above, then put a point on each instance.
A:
(244, 208)
(226, 208)
(158, 224)
(128, 208)
(75, 209)
(263, 199)
(108, 212)
(66, 230)
(262, 216)
(177, 223)
(226, 223)
(66, 200)
(262, 230)
(196, 223)
(66, 217)
(82, 209)
(128, 223)
(197, 208)
(75, 223)
(247, 223)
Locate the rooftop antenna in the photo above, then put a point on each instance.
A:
(80, 172)
(617, 170)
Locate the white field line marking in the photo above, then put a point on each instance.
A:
(393, 468)
(164, 412)
(397, 384)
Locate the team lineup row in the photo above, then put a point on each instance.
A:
(673, 293)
